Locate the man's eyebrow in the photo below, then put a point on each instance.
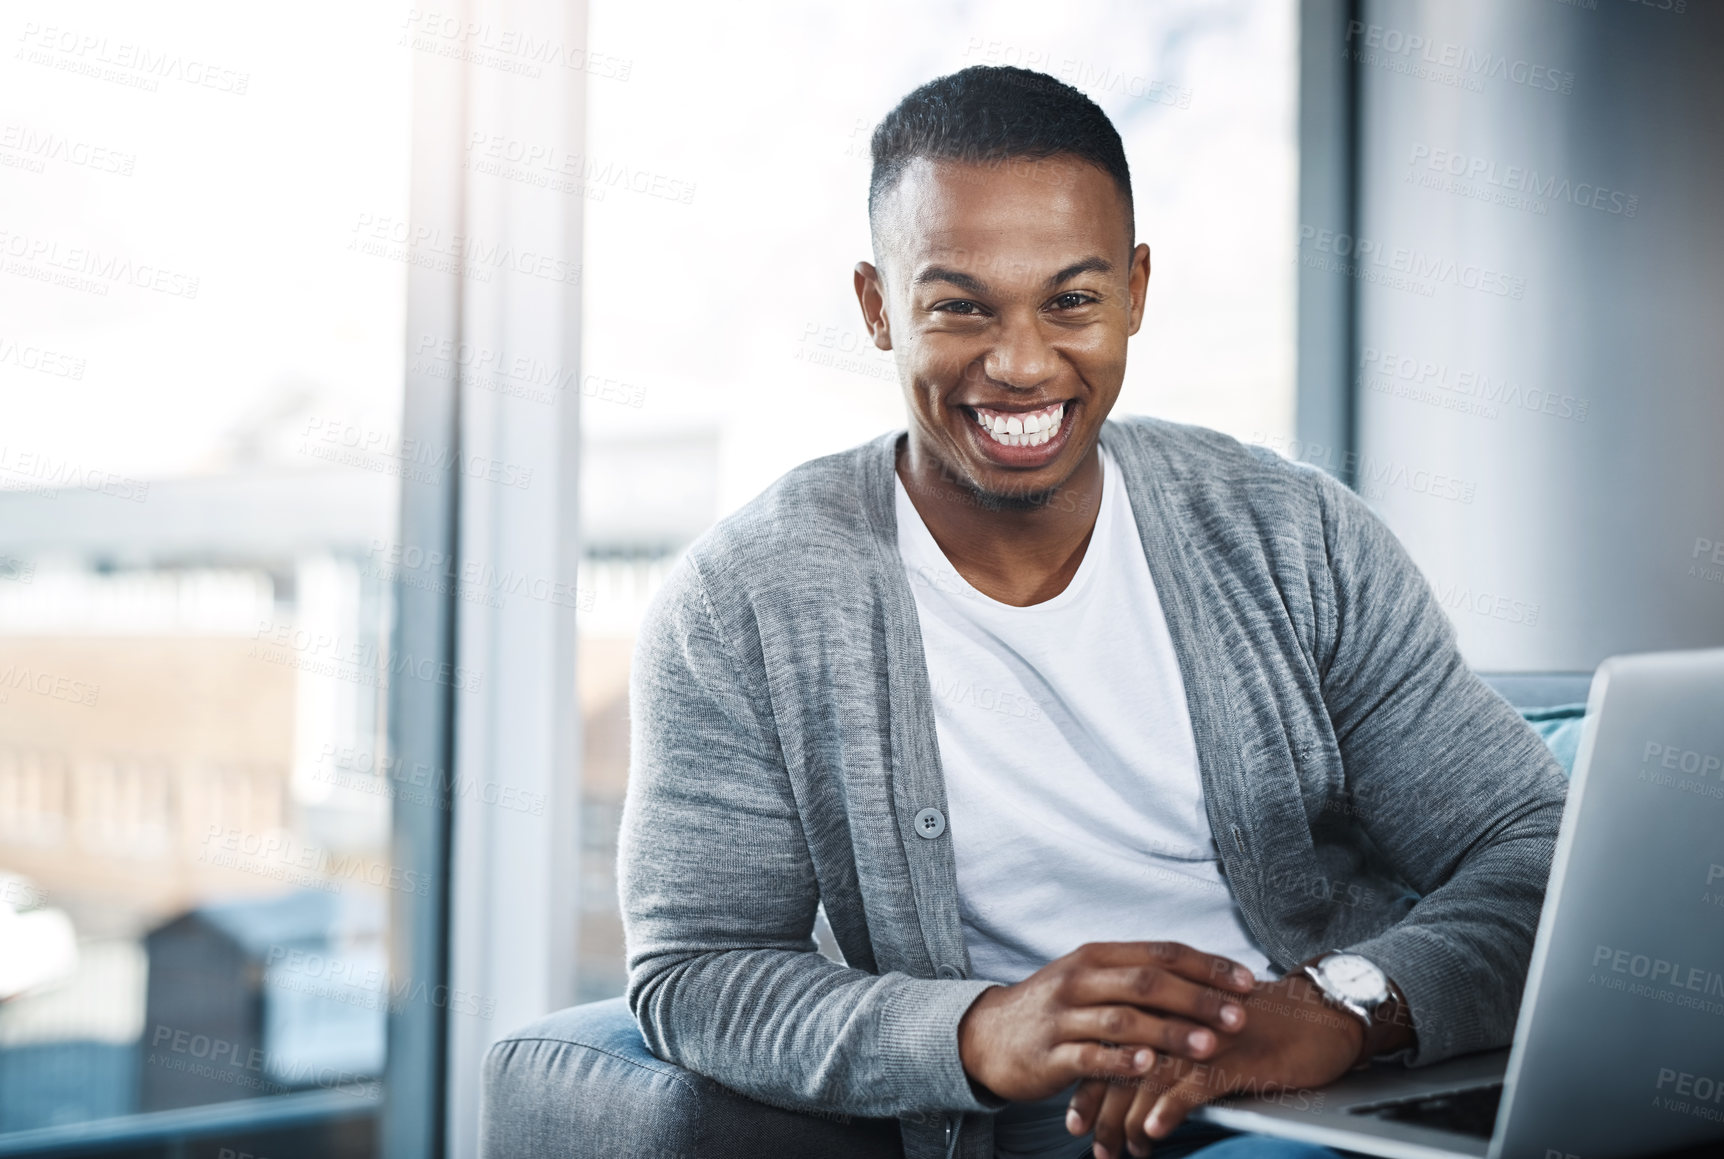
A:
(975, 285)
(1093, 265)
(963, 281)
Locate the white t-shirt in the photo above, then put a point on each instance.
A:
(1073, 794)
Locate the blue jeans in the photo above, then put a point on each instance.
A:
(1237, 1147)
(1037, 1131)
(1214, 1143)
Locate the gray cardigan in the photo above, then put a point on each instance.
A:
(1365, 789)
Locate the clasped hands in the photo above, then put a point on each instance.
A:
(1149, 1031)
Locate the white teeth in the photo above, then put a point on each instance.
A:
(1020, 430)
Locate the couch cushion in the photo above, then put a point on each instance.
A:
(1539, 689)
(1560, 728)
(581, 1084)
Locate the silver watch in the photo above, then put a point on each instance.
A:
(1352, 982)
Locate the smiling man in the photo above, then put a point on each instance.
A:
(1130, 765)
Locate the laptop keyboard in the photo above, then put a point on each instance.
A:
(1470, 1111)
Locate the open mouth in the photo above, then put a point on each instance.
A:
(1020, 428)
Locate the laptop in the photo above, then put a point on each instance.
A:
(1619, 1050)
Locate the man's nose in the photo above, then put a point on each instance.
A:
(1022, 359)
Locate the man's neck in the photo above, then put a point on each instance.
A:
(1019, 555)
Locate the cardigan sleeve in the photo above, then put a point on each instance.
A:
(719, 895)
(1459, 794)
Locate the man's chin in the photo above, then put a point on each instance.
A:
(1020, 500)
(981, 483)
(1007, 494)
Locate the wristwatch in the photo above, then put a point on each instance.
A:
(1355, 984)
(1352, 982)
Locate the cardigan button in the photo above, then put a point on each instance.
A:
(949, 972)
(930, 823)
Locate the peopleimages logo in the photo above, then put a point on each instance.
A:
(1707, 549)
(83, 268)
(283, 856)
(417, 782)
(1447, 62)
(365, 663)
(1658, 979)
(1524, 180)
(514, 50)
(1461, 597)
(55, 686)
(1374, 478)
(1687, 1093)
(1461, 388)
(1700, 773)
(461, 254)
(237, 1064)
(359, 983)
(1400, 267)
(136, 65)
(471, 579)
(40, 473)
(32, 149)
(25, 356)
(517, 375)
(548, 165)
(388, 452)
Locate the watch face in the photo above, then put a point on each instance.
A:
(1354, 978)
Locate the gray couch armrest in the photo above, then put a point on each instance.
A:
(1540, 689)
(581, 1084)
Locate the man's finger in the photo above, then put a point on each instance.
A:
(1076, 1061)
(1177, 957)
(1174, 1036)
(1085, 1102)
(1109, 1126)
(1157, 990)
(1172, 1105)
(1137, 1140)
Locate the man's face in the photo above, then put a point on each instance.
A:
(1008, 292)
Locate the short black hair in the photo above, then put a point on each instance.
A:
(988, 114)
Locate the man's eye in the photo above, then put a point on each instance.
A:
(958, 307)
(1072, 301)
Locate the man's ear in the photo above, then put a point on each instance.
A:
(1138, 280)
(871, 295)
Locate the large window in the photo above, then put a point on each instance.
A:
(228, 793)
(200, 393)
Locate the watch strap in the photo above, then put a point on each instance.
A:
(1390, 1016)
(1378, 1021)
